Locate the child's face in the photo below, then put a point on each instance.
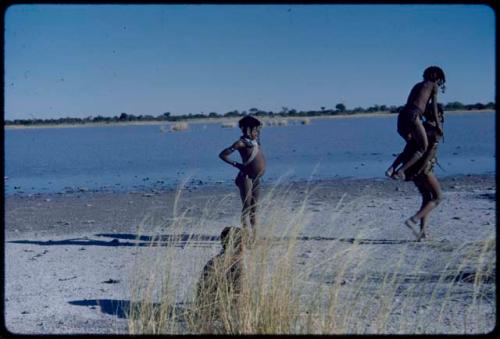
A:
(252, 133)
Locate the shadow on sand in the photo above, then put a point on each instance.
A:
(121, 308)
(181, 240)
(174, 240)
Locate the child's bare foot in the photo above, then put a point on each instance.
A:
(423, 236)
(411, 224)
(389, 172)
(399, 175)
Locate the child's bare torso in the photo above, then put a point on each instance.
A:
(420, 94)
(257, 166)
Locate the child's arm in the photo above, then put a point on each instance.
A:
(224, 155)
(435, 110)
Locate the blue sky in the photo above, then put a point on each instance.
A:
(89, 60)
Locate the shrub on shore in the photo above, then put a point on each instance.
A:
(229, 124)
(276, 122)
(179, 126)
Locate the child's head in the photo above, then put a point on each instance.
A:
(428, 112)
(435, 74)
(250, 125)
(231, 236)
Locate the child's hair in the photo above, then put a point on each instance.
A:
(249, 121)
(231, 235)
(434, 73)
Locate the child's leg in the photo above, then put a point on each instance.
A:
(432, 186)
(411, 223)
(419, 136)
(255, 201)
(424, 192)
(435, 190)
(244, 184)
(426, 198)
(423, 228)
(401, 158)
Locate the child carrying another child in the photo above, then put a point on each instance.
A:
(421, 173)
(250, 170)
(410, 125)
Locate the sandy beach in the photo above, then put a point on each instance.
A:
(69, 257)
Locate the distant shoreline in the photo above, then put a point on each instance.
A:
(223, 120)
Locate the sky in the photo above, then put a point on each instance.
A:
(89, 60)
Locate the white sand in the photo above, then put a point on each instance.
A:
(60, 250)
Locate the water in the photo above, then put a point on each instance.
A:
(131, 157)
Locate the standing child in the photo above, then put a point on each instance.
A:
(250, 170)
(410, 125)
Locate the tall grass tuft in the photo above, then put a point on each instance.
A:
(345, 286)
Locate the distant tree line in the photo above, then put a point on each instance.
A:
(340, 109)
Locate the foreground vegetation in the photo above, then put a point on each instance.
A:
(340, 109)
(341, 292)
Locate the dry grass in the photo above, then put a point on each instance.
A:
(341, 290)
